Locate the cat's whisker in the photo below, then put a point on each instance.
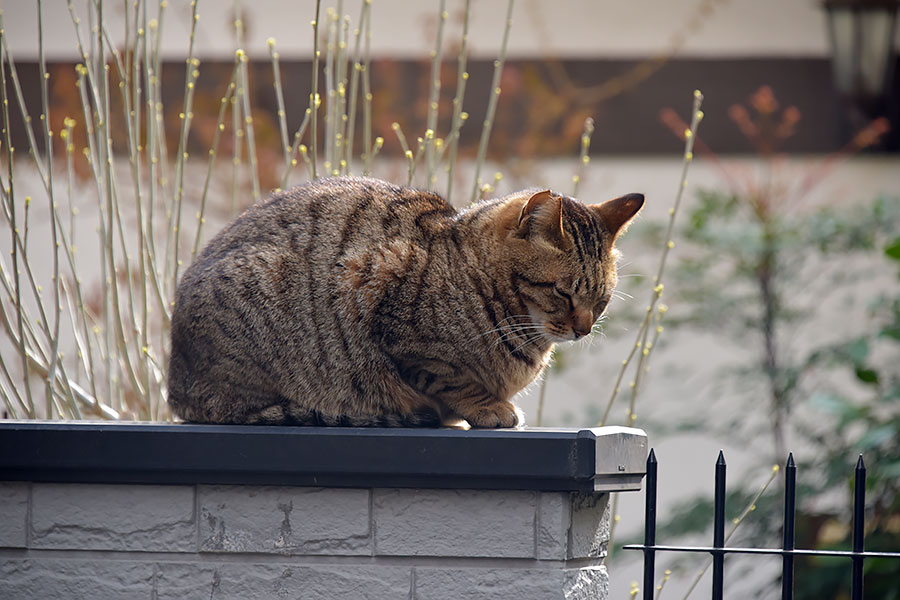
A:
(486, 333)
(501, 326)
(523, 332)
(526, 342)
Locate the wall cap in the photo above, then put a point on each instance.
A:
(600, 459)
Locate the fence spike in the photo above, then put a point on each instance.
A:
(718, 575)
(790, 496)
(859, 525)
(650, 527)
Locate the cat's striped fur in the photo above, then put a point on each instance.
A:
(352, 301)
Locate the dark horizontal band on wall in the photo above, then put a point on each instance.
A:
(585, 460)
(540, 113)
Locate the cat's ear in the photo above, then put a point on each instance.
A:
(541, 216)
(617, 214)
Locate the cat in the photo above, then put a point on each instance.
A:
(351, 301)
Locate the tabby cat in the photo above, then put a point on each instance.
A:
(352, 301)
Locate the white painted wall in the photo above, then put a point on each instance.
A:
(404, 28)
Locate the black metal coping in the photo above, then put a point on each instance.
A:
(585, 460)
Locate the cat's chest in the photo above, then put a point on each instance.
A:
(513, 373)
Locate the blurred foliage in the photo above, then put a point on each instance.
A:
(846, 393)
(757, 267)
(866, 420)
(844, 396)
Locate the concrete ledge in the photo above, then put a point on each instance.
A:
(582, 460)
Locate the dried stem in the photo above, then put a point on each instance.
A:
(238, 141)
(220, 126)
(434, 97)
(641, 338)
(459, 117)
(279, 96)
(367, 100)
(583, 156)
(736, 522)
(243, 95)
(11, 212)
(48, 146)
(186, 116)
(298, 135)
(354, 87)
(314, 101)
(492, 105)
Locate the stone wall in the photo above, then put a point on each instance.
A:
(175, 511)
(94, 541)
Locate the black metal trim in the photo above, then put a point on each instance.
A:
(768, 551)
(147, 453)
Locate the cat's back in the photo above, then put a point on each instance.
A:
(329, 217)
(301, 244)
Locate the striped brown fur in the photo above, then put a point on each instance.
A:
(352, 301)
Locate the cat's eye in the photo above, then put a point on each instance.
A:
(562, 294)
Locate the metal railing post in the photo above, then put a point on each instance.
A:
(859, 525)
(718, 574)
(790, 497)
(650, 528)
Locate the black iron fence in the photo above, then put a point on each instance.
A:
(718, 550)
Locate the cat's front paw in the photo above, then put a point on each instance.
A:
(501, 414)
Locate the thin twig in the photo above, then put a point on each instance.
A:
(492, 105)
(583, 156)
(186, 116)
(367, 99)
(220, 126)
(736, 522)
(244, 90)
(279, 96)
(314, 95)
(641, 338)
(10, 193)
(459, 117)
(48, 138)
(354, 87)
(434, 97)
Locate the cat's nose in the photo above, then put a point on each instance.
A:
(582, 322)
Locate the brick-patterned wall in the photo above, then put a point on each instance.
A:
(96, 541)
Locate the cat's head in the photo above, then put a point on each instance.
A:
(562, 259)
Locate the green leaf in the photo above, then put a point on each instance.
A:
(890, 470)
(893, 250)
(876, 437)
(858, 350)
(840, 407)
(830, 403)
(867, 375)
